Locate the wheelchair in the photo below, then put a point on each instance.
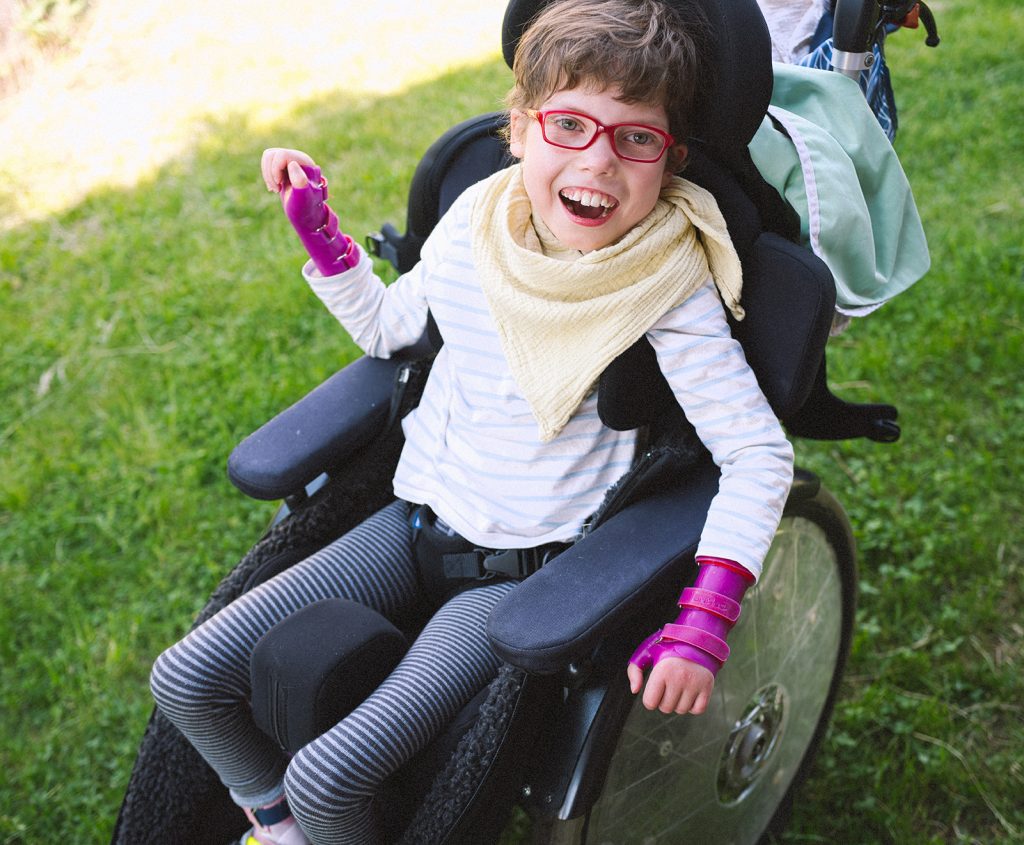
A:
(557, 733)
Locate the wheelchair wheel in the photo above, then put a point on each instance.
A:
(727, 776)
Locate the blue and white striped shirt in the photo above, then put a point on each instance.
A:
(473, 450)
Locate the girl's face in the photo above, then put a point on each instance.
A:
(589, 198)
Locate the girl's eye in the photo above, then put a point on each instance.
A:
(565, 123)
(639, 138)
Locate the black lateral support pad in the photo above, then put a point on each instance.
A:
(789, 296)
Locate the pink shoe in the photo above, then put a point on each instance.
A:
(273, 825)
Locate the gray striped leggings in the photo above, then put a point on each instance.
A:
(202, 683)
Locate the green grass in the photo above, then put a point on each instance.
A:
(146, 331)
(927, 743)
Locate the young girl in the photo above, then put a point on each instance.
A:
(537, 277)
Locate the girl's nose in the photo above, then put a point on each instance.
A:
(600, 155)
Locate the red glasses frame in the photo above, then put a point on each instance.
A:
(541, 116)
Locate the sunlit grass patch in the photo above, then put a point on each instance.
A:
(143, 81)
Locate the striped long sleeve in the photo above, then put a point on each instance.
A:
(473, 450)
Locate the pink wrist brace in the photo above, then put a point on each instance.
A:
(332, 250)
(709, 609)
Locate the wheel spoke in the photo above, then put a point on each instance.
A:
(726, 772)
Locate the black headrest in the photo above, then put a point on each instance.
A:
(741, 69)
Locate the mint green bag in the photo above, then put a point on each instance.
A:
(822, 148)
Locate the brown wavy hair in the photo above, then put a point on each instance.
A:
(652, 51)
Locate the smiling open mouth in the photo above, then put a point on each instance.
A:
(591, 205)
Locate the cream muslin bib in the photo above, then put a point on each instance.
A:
(562, 322)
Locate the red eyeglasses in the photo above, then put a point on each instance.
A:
(573, 130)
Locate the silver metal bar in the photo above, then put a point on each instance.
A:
(851, 64)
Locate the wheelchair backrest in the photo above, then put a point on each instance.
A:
(462, 156)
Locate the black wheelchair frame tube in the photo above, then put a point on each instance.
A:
(852, 35)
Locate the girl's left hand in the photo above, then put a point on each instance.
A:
(675, 686)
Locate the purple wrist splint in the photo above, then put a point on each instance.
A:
(306, 208)
(708, 610)
(655, 648)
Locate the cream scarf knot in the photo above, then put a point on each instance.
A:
(560, 322)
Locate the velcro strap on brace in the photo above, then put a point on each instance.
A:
(722, 606)
(698, 638)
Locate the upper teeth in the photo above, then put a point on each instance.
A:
(591, 198)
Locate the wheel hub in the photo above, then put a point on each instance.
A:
(751, 743)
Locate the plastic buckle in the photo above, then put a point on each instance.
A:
(519, 563)
(275, 813)
(387, 243)
(374, 244)
(512, 563)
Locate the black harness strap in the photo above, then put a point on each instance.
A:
(503, 563)
(448, 562)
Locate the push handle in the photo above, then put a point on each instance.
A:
(928, 19)
(854, 25)
(853, 30)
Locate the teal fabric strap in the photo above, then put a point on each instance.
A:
(273, 814)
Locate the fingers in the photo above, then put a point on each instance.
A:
(693, 698)
(701, 702)
(275, 166)
(677, 686)
(297, 175)
(685, 702)
(636, 677)
(655, 693)
(272, 166)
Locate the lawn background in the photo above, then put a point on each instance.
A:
(151, 322)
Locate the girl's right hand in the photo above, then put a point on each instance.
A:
(282, 168)
(303, 191)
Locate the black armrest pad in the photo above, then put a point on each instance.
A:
(332, 421)
(559, 613)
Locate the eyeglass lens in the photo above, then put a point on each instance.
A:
(633, 141)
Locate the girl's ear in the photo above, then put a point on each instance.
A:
(516, 132)
(675, 161)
